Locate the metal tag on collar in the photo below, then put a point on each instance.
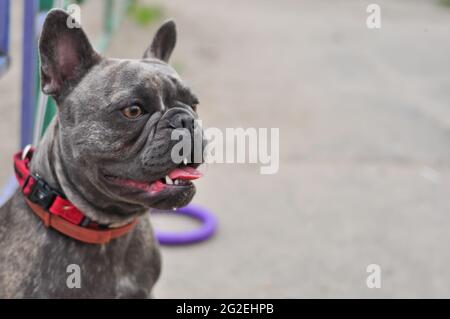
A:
(26, 151)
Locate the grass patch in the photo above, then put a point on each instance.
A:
(445, 2)
(145, 15)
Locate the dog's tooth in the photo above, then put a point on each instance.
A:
(169, 180)
(185, 161)
(176, 182)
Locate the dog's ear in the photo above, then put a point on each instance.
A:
(65, 52)
(163, 43)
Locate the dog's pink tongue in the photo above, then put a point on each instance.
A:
(185, 173)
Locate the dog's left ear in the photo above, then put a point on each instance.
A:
(163, 43)
(66, 53)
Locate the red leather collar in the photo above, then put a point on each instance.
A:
(56, 211)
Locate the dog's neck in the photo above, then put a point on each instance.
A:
(48, 161)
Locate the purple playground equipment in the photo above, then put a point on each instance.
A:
(209, 226)
(35, 106)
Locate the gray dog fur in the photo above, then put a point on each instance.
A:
(87, 142)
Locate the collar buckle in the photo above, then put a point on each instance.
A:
(41, 193)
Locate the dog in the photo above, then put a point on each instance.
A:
(105, 157)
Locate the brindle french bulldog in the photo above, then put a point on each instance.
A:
(109, 152)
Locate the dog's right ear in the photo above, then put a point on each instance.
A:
(66, 53)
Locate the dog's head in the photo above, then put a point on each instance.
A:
(116, 119)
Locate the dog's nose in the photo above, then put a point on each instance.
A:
(188, 123)
(183, 122)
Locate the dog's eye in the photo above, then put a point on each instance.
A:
(133, 112)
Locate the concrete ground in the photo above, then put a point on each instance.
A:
(364, 124)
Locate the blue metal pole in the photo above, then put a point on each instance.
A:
(10, 188)
(4, 26)
(4, 35)
(29, 71)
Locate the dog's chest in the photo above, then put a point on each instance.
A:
(117, 270)
(42, 263)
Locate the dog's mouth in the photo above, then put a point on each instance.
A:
(178, 178)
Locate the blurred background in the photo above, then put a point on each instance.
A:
(364, 118)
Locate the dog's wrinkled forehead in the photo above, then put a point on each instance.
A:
(147, 72)
(115, 80)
